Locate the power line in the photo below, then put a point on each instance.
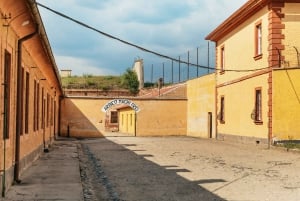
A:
(137, 46)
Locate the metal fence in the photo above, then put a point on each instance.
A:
(194, 63)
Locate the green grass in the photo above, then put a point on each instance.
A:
(92, 82)
(291, 145)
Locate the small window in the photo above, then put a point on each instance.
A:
(47, 110)
(38, 106)
(51, 111)
(27, 102)
(22, 102)
(34, 105)
(222, 54)
(43, 109)
(7, 94)
(258, 106)
(222, 110)
(113, 117)
(258, 40)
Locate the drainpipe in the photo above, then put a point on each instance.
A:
(59, 115)
(19, 104)
(135, 120)
(5, 130)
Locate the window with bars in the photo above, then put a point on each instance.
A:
(113, 117)
(222, 59)
(26, 102)
(222, 110)
(258, 40)
(258, 106)
(7, 94)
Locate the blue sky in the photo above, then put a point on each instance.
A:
(170, 27)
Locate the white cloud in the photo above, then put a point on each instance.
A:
(170, 27)
(80, 66)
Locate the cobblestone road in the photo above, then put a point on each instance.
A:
(183, 168)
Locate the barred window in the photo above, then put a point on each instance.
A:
(258, 106)
(113, 117)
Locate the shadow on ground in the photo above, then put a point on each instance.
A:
(128, 176)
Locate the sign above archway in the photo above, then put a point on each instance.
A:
(111, 103)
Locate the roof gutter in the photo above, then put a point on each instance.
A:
(45, 41)
(236, 19)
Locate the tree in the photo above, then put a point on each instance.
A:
(129, 80)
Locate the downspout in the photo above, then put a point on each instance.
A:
(19, 104)
(5, 131)
(59, 115)
(135, 122)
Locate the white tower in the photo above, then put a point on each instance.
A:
(138, 67)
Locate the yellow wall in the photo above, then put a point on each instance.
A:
(155, 118)
(161, 117)
(291, 32)
(286, 104)
(240, 48)
(127, 121)
(35, 66)
(201, 101)
(239, 104)
(84, 117)
(286, 83)
(238, 88)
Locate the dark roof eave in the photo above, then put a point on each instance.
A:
(42, 31)
(238, 17)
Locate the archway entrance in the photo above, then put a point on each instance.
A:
(121, 116)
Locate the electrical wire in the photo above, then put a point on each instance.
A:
(139, 47)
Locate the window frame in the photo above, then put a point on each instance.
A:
(22, 101)
(258, 119)
(258, 40)
(222, 110)
(27, 92)
(34, 105)
(7, 93)
(222, 59)
(114, 116)
(38, 99)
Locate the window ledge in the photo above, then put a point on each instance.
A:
(222, 72)
(258, 122)
(257, 57)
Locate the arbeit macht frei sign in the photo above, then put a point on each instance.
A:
(111, 103)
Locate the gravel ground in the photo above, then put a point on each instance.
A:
(183, 168)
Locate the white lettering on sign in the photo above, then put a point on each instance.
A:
(111, 103)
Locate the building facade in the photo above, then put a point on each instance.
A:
(30, 89)
(257, 62)
(201, 113)
(84, 116)
(65, 73)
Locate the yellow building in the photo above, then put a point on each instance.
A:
(30, 89)
(201, 107)
(257, 64)
(87, 116)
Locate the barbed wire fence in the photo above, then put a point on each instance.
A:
(189, 65)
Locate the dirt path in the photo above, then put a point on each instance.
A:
(182, 168)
